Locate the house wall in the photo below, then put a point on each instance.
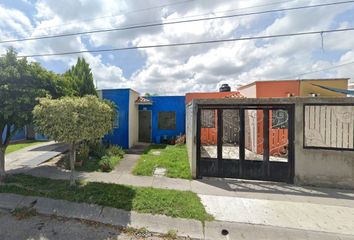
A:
(191, 128)
(249, 91)
(271, 89)
(120, 134)
(133, 118)
(306, 87)
(166, 104)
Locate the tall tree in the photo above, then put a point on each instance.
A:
(20, 85)
(74, 119)
(82, 78)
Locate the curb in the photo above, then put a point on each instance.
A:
(106, 215)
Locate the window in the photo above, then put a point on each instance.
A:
(208, 118)
(116, 121)
(167, 120)
(280, 119)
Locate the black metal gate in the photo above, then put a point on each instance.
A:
(246, 141)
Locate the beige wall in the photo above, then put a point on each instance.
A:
(333, 168)
(191, 128)
(133, 118)
(306, 87)
(249, 91)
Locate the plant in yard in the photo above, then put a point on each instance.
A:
(115, 151)
(21, 83)
(72, 120)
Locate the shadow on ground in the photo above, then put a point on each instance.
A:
(251, 186)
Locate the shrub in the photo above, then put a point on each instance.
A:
(107, 163)
(115, 151)
(97, 149)
(83, 152)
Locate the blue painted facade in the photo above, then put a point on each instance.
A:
(127, 122)
(20, 135)
(166, 104)
(120, 133)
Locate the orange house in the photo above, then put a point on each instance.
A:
(208, 134)
(278, 136)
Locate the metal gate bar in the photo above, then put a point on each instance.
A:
(275, 171)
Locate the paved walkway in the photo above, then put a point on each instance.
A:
(241, 202)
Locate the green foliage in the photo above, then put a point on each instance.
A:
(83, 152)
(97, 149)
(115, 151)
(81, 78)
(20, 85)
(183, 204)
(101, 158)
(108, 163)
(73, 119)
(174, 158)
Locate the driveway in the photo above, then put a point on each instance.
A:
(33, 156)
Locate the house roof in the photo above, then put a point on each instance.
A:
(235, 95)
(143, 101)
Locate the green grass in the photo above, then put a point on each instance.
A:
(182, 204)
(17, 146)
(173, 157)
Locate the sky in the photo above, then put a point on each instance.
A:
(177, 70)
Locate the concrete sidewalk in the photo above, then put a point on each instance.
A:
(158, 223)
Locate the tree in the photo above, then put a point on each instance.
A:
(74, 119)
(20, 85)
(81, 78)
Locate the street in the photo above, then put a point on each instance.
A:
(52, 228)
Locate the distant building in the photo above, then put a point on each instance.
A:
(289, 88)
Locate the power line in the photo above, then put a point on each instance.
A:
(192, 43)
(320, 70)
(174, 22)
(111, 16)
(165, 5)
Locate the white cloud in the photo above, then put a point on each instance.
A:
(176, 70)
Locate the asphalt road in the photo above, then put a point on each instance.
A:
(50, 228)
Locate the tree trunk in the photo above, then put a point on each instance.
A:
(2, 163)
(72, 163)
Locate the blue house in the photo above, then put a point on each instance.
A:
(161, 118)
(25, 133)
(156, 119)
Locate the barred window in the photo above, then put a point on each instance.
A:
(167, 120)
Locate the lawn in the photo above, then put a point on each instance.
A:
(17, 146)
(182, 204)
(173, 158)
